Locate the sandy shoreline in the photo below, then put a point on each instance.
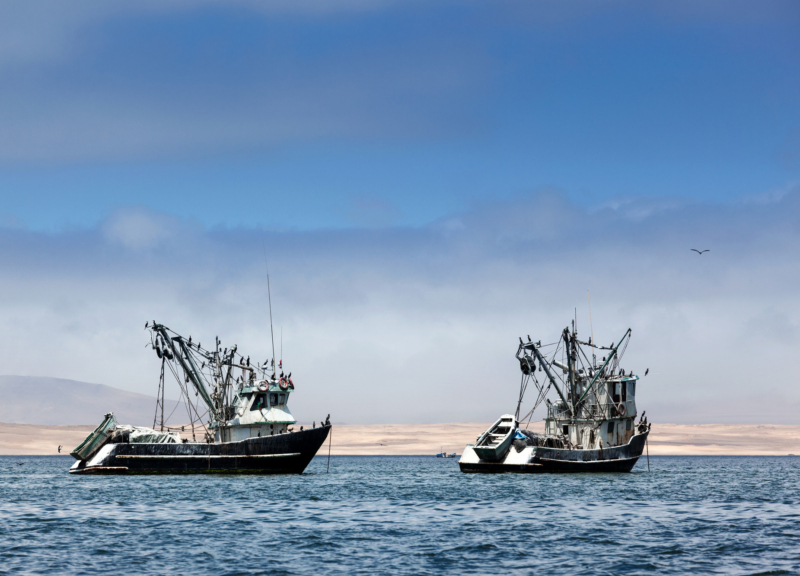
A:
(410, 439)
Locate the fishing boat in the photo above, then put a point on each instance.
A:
(240, 414)
(444, 454)
(590, 427)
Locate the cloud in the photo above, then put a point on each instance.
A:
(197, 78)
(47, 31)
(420, 324)
(138, 228)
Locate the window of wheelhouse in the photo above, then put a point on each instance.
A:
(260, 402)
(614, 390)
(623, 386)
(273, 399)
(632, 388)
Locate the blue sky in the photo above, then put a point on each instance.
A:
(382, 113)
(430, 180)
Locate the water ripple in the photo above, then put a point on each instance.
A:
(405, 515)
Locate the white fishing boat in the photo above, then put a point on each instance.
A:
(590, 427)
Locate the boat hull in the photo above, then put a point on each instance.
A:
(542, 459)
(280, 454)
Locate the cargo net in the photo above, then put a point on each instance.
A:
(530, 438)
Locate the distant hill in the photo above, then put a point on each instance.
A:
(55, 401)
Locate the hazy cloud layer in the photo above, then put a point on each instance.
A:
(421, 324)
(100, 81)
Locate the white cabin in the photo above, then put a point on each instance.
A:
(260, 409)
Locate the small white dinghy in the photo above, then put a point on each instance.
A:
(493, 444)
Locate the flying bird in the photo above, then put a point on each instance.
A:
(646, 371)
(699, 251)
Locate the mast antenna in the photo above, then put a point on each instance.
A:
(591, 327)
(269, 296)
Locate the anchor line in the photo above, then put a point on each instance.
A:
(330, 441)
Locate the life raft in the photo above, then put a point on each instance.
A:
(262, 386)
(283, 384)
(621, 409)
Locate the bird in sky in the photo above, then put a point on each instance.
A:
(699, 251)
(646, 371)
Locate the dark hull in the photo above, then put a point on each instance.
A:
(281, 454)
(615, 459)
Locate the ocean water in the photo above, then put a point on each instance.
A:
(405, 515)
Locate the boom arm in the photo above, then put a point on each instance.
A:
(188, 365)
(543, 364)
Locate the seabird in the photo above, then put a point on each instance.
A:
(646, 371)
(700, 251)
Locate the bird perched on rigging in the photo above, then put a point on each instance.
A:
(699, 251)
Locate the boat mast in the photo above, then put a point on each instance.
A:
(269, 296)
(569, 342)
(271, 333)
(163, 383)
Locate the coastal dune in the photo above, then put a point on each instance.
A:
(429, 439)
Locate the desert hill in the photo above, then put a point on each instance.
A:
(56, 401)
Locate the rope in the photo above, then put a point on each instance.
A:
(330, 441)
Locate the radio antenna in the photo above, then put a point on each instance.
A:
(269, 296)
(591, 327)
